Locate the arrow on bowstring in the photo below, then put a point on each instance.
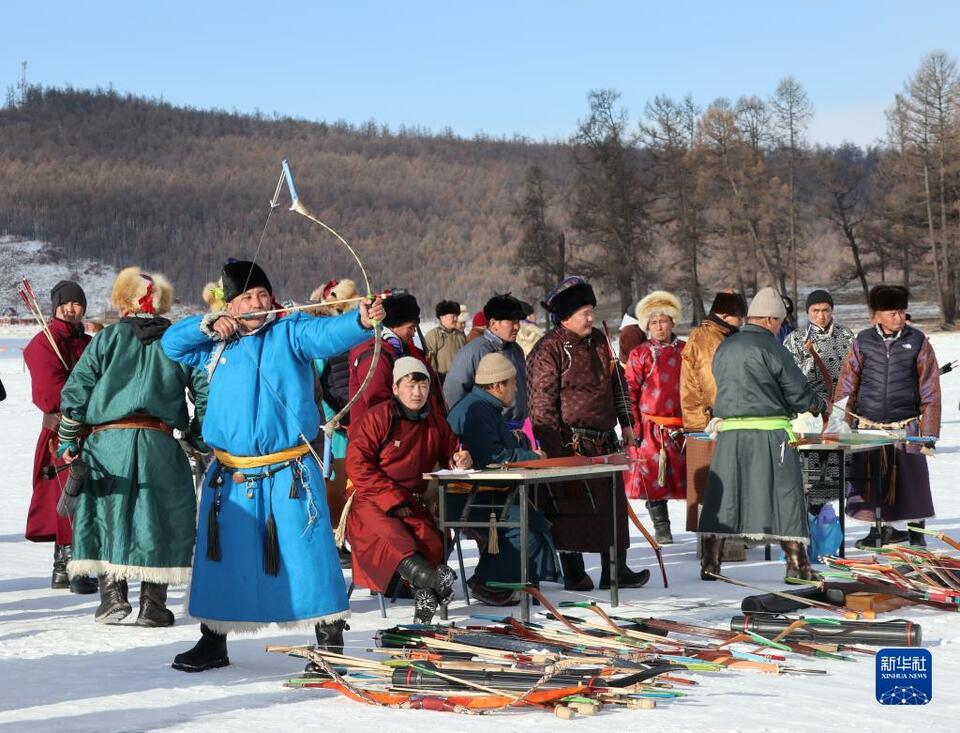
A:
(286, 177)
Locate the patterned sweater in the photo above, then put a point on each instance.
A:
(832, 344)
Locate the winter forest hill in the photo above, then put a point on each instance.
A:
(684, 194)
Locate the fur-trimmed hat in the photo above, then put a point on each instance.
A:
(239, 276)
(889, 298)
(568, 297)
(447, 308)
(136, 291)
(658, 303)
(400, 309)
(335, 290)
(729, 303)
(503, 308)
(213, 296)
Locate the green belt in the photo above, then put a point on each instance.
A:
(758, 423)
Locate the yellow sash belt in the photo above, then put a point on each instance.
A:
(232, 461)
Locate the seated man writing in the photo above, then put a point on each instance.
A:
(389, 526)
(479, 420)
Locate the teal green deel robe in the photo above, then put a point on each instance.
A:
(136, 514)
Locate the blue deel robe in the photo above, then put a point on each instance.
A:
(261, 401)
(479, 422)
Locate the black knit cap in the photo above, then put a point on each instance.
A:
(67, 291)
(241, 275)
(567, 302)
(729, 303)
(503, 308)
(401, 309)
(448, 308)
(889, 298)
(819, 296)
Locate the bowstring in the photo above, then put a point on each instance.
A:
(263, 233)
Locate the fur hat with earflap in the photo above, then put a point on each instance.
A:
(335, 290)
(136, 291)
(213, 297)
(658, 303)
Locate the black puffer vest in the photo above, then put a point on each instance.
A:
(335, 383)
(889, 386)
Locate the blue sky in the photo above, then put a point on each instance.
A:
(493, 67)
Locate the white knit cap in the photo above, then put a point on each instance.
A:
(767, 303)
(493, 368)
(407, 365)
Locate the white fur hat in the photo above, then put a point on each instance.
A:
(213, 296)
(335, 290)
(136, 291)
(658, 303)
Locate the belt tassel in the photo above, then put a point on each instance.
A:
(271, 543)
(662, 465)
(493, 541)
(294, 484)
(213, 529)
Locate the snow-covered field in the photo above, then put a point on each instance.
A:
(59, 671)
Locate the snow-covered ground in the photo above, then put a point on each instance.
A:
(59, 671)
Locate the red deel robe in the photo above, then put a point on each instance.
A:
(47, 376)
(653, 378)
(386, 458)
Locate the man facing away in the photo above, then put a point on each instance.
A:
(755, 488)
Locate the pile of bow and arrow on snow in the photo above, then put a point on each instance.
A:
(578, 663)
(572, 664)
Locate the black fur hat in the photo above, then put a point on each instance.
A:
(448, 308)
(241, 275)
(401, 309)
(889, 298)
(504, 308)
(568, 301)
(729, 303)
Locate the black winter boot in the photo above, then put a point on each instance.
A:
(425, 605)
(661, 521)
(330, 639)
(574, 573)
(421, 575)
(711, 552)
(626, 578)
(918, 539)
(153, 606)
(59, 579)
(114, 606)
(330, 635)
(80, 584)
(798, 564)
(208, 653)
(889, 535)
